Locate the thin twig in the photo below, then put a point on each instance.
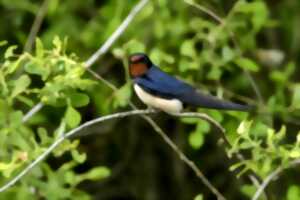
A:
(232, 35)
(205, 10)
(182, 156)
(254, 86)
(65, 136)
(272, 176)
(100, 78)
(103, 49)
(202, 116)
(36, 26)
(164, 136)
(32, 112)
(253, 177)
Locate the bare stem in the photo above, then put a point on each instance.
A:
(103, 49)
(75, 131)
(164, 136)
(272, 176)
(36, 26)
(205, 10)
(32, 112)
(222, 22)
(182, 156)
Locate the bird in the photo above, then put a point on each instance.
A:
(159, 90)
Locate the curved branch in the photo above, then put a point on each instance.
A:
(103, 49)
(271, 177)
(164, 136)
(73, 132)
(181, 155)
(222, 22)
(65, 136)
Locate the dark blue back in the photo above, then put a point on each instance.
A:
(161, 84)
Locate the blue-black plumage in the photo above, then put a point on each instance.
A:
(159, 84)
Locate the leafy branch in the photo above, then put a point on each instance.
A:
(274, 175)
(87, 64)
(102, 50)
(75, 131)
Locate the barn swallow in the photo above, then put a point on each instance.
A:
(162, 91)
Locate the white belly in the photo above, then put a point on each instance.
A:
(167, 105)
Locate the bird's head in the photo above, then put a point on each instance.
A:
(139, 64)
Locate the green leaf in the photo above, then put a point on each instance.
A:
(293, 192)
(10, 51)
(261, 15)
(72, 117)
(296, 97)
(196, 140)
(298, 137)
(257, 9)
(134, 46)
(189, 120)
(187, 48)
(20, 85)
(98, 173)
(39, 48)
(214, 73)
(3, 43)
(246, 63)
(119, 53)
(26, 100)
(16, 118)
(79, 99)
(15, 64)
(294, 153)
(227, 54)
(122, 96)
(43, 136)
(38, 69)
(80, 158)
(248, 190)
(65, 146)
(57, 44)
(244, 127)
(199, 197)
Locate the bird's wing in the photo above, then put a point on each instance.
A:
(161, 84)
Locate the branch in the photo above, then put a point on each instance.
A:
(181, 155)
(205, 10)
(36, 26)
(272, 176)
(222, 22)
(103, 49)
(32, 112)
(218, 19)
(65, 136)
(73, 132)
(164, 136)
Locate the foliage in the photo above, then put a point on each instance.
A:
(61, 84)
(256, 37)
